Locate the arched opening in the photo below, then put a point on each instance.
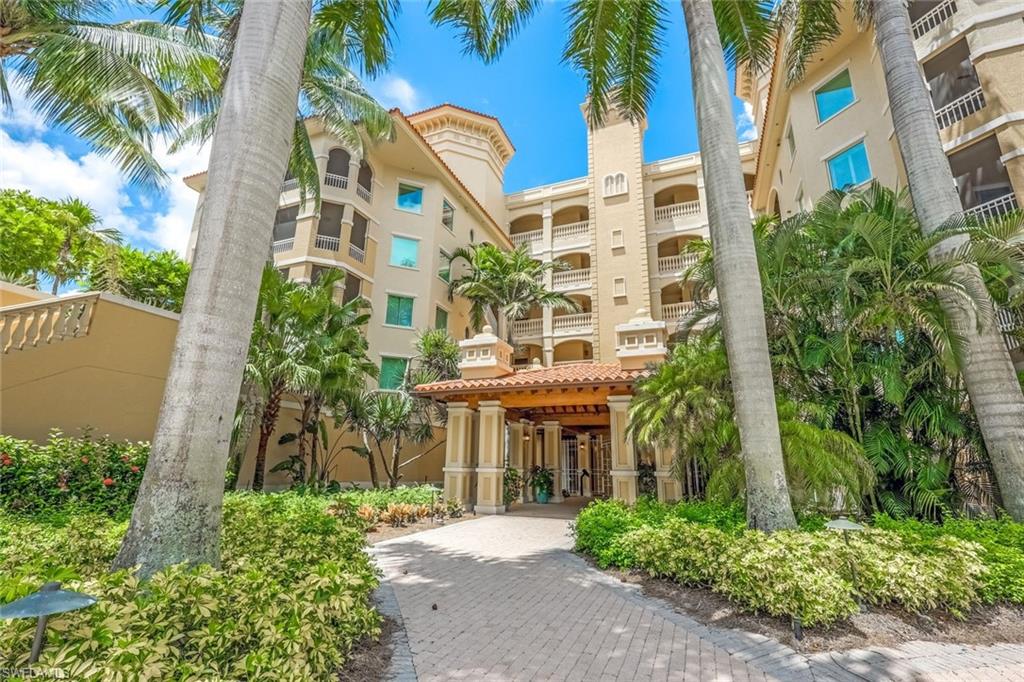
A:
(570, 215)
(365, 179)
(526, 228)
(577, 260)
(564, 322)
(573, 351)
(677, 201)
(676, 301)
(672, 256)
(526, 353)
(530, 326)
(338, 162)
(576, 275)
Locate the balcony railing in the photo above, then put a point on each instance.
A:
(46, 321)
(671, 265)
(329, 243)
(667, 213)
(521, 238)
(522, 329)
(933, 17)
(581, 361)
(994, 208)
(960, 108)
(673, 312)
(363, 193)
(577, 323)
(1009, 324)
(335, 180)
(282, 245)
(571, 279)
(356, 253)
(290, 184)
(573, 232)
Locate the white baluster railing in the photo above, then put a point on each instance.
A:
(290, 184)
(356, 253)
(994, 208)
(1009, 324)
(575, 323)
(521, 238)
(960, 108)
(282, 245)
(522, 329)
(335, 180)
(671, 265)
(935, 16)
(325, 242)
(687, 208)
(573, 232)
(365, 194)
(571, 279)
(48, 321)
(673, 312)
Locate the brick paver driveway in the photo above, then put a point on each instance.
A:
(513, 603)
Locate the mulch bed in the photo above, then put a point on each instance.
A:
(877, 626)
(385, 532)
(371, 658)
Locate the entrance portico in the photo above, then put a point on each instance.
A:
(571, 419)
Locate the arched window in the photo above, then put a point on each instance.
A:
(615, 184)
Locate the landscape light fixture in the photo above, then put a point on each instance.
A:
(846, 526)
(49, 600)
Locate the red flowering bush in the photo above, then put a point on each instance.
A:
(81, 473)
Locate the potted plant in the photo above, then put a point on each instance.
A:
(542, 480)
(513, 487)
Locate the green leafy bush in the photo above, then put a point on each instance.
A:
(382, 498)
(291, 598)
(70, 473)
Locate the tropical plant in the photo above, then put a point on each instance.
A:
(395, 418)
(502, 286)
(156, 278)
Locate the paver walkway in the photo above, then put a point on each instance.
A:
(513, 603)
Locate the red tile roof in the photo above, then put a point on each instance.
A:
(584, 373)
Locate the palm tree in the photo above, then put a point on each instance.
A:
(83, 239)
(177, 515)
(110, 84)
(502, 286)
(995, 392)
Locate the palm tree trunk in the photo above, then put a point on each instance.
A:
(314, 441)
(267, 423)
(177, 516)
(736, 275)
(988, 371)
(374, 477)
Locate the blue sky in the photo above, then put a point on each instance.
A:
(534, 95)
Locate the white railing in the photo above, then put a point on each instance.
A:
(994, 208)
(673, 312)
(572, 362)
(356, 253)
(31, 324)
(329, 243)
(282, 245)
(572, 232)
(1009, 324)
(933, 18)
(521, 238)
(522, 329)
(335, 180)
(571, 279)
(686, 208)
(363, 193)
(289, 184)
(960, 108)
(576, 323)
(671, 265)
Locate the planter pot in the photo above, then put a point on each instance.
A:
(543, 496)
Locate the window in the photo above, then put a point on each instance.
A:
(353, 287)
(447, 215)
(444, 268)
(799, 199)
(834, 96)
(404, 252)
(619, 287)
(849, 168)
(615, 184)
(791, 141)
(410, 198)
(440, 318)
(618, 241)
(392, 372)
(399, 311)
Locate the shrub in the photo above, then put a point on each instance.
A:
(381, 498)
(599, 524)
(290, 600)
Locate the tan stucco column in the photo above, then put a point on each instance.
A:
(669, 487)
(458, 456)
(490, 470)
(623, 471)
(553, 457)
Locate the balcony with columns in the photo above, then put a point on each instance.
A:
(570, 228)
(672, 259)
(676, 302)
(982, 181)
(575, 323)
(575, 275)
(528, 230)
(679, 206)
(928, 15)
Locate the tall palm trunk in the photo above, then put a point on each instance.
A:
(988, 371)
(268, 421)
(177, 516)
(736, 277)
(371, 462)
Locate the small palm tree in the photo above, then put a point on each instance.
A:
(83, 241)
(502, 286)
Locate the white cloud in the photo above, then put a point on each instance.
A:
(170, 229)
(745, 128)
(395, 91)
(20, 115)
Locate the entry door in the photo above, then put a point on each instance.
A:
(571, 466)
(602, 480)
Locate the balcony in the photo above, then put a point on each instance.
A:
(282, 245)
(673, 265)
(1010, 325)
(329, 243)
(932, 18)
(571, 234)
(525, 329)
(568, 280)
(364, 193)
(290, 184)
(995, 208)
(577, 323)
(335, 180)
(530, 238)
(664, 214)
(960, 108)
(673, 312)
(356, 253)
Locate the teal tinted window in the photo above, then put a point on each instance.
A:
(850, 167)
(444, 270)
(440, 318)
(410, 198)
(404, 252)
(392, 372)
(834, 96)
(399, 311)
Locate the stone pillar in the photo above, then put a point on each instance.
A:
(623, 473)
(490, 470)
(585, 450)
(458, 459)
(553, 457)
(669, 487)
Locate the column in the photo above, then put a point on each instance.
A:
(553, 457)
(585, 450)
(353, 172)
(490, 470)
(548, 343)
(623, 471)
(669, 487)
(458, 457)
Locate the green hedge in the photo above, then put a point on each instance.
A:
(70, 473)
(801, 572)
(290, 601)
(382, 498)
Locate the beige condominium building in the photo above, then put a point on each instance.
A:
(833, 128)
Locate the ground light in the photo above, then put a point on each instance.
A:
(846, 526)
(49, 600)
